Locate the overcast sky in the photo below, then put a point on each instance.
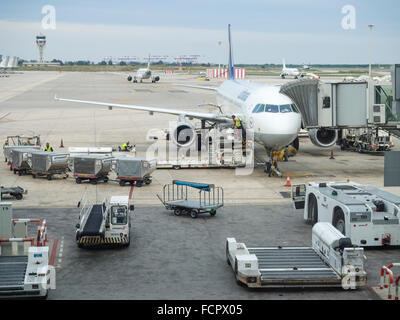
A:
(263, 31)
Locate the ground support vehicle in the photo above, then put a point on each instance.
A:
(367, 215)
(331, 261)
(105, 224)
(135, 171)
(15, 192)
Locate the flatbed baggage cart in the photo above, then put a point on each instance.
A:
(92, 168)
(192, 198)
(135, 171)
(47, 164)
(16, 192)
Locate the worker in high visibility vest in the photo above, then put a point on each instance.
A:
(125, 146)
(48, 148)
(236, 122)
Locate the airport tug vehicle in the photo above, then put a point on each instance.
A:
(105, 224)
(331, 261)
(367, 215)
(24, 258)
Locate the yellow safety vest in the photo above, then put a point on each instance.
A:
(124, 146)
(237, 122)
(48, 148)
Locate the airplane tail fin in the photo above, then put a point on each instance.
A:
(231, 71)
(283, 63)
(148, 63)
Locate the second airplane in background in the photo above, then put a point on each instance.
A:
(143, 74)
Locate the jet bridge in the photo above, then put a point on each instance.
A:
(337, 105)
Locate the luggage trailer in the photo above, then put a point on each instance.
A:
(47, 164)
(132, 170)
(92, 168)
(367, 215)
(331, 261)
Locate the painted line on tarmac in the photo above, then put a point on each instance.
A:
(131, 193)
(60, 253)
(4, 116)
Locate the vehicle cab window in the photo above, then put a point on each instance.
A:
(271, 108)
(119, 214)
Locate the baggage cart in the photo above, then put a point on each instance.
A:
(135, 171)
(14, 192)
(48, 164)
(19, 163)
(92, 168)
(192, 198)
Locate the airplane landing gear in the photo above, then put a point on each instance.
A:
(271, 167)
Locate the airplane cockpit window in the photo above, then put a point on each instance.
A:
(285, 108)
(259, 108)
(271, 108)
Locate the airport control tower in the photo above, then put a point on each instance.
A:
(41, 43)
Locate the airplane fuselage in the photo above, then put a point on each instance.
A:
(276, 121)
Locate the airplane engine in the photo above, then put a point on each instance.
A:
(322, 137)
(156, 78)
(129, 78)
(184, 134)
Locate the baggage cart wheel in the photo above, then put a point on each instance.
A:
(132, 183)
(139, 183)
(15, 171)
(105, 179)
(78, 180)
(34, 176)
(49, 177)
(18, 196)
(147, 181)
(177, 212)
(213, 212)
(193, 214)
(122, 183)
(93, 181)
(19, 172)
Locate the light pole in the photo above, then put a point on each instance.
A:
(371, 26)
(219, 63)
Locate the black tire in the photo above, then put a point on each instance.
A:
(19, 172)
(139, 183)
(93, 181)
(105, 179)
(177, 211)
(78, 180)
(34, 176)
(122, 183)
(312, 209)
(213, 212)
(15, 171)
(193, 214)
(338, 220)
(18, 196)
(49, 177)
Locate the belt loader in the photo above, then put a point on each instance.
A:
(367, 215)
(105, 224)
(331, 261)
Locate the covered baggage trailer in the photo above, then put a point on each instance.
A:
(135, 171)
(7, 150)
(93, 168)
(48, 164)
(19, 141)
(331, 261)
(20, 160)
(192, 198)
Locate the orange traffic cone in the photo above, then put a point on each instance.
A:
(332, 157)
(288, 184)
(62, 144)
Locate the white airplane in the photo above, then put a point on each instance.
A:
(272, 116)
(142, 74)
(4, 63)
(293, 72)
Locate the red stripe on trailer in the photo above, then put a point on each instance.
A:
(31, 240)
(131, 193)
(53, 252)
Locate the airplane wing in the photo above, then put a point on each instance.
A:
(218, 117)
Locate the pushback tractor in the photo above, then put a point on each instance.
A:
(105, 224)
(367, 215)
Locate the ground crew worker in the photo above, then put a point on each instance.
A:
(125, 146)
(48, 148)
(236, 122)
(6, 143)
